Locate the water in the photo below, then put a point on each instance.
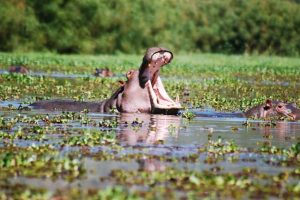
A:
(165, 136)
(152, 143)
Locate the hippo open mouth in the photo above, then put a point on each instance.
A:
(154, 59)
(159, 98)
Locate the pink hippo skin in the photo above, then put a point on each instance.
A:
(103, 72)
(18, 69)
(267, 109)
(289, 110)
(143, 92)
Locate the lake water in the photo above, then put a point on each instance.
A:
(169, 137)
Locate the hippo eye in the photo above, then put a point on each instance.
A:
(267, 107)
(279, 106)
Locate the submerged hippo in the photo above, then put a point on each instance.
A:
(143, 91)
(267, 109)
(289, 110)
(103, 72)
(18, 69)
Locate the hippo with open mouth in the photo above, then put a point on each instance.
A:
(143, 92)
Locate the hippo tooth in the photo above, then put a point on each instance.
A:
(167, 55)
(177, 98)
(155, 56)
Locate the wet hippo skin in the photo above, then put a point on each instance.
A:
(103, 72)
(18, 69)
(143, 92)
(289, 109)
(267, 109)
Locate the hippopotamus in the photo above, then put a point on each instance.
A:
(143, 92)
(264, 110)
(267, 109)
(289, 110)
(103, 72)
(18, 69)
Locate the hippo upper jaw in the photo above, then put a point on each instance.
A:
(154, 59)
(158, 60)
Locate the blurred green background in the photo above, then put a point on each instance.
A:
(114, 26)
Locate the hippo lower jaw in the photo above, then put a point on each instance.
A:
(159, 99)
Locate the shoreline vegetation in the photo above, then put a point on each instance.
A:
(269, 27)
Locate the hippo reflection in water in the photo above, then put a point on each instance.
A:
(153, 130)
(150, 130)
(143, 92)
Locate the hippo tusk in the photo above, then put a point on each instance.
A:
(155, 101)
(177, 99)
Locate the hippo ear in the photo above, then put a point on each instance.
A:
(268, 104)
(129, 74)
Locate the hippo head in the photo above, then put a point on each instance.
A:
(144, 91)
(270, 108)
(287, 109)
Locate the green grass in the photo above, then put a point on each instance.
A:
(223, 82)
(182, 65)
